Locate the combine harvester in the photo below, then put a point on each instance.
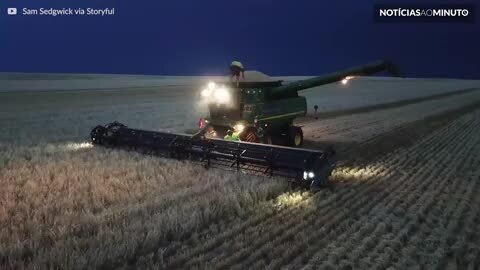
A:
(262, 114)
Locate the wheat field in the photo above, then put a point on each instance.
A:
(404, 194)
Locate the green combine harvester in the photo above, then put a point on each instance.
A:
(257, 119)
(263, 112)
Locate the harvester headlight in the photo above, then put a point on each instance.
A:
(308, 175)
(346, 79)
(239, 127)
(216, 94)
(206, 93)
(211, 85)
(222, 95)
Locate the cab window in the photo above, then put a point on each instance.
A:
(252, 95)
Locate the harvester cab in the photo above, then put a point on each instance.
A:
(250, 110)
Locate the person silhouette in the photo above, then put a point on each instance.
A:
(237, 70)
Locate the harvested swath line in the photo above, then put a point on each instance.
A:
(459, 240)
(279, 256)
(379, 247)
(362, 231)
(401, 116)
(332, 254)
(383, 106)
(467, 156)
(383, 256)
(476, 262)
(422, 254)
(365, 148)
(457, 225)
(474, 245)
(399, 154)
(411, 134)
(418, 124)
(396, 156)
(440, 235)
(292, 231)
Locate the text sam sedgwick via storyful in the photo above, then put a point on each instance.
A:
(68, 12)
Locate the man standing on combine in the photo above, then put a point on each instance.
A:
(236, 68)
(232, 136)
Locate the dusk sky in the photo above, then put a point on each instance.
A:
(202, 37)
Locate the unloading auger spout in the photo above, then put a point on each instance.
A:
(367, 69)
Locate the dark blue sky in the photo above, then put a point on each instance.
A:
(180, 37)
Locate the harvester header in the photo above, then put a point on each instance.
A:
(304, 167)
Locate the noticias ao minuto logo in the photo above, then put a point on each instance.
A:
(424, 13)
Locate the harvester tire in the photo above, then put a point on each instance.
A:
(296, 136)
(249, 135)
(97, 133)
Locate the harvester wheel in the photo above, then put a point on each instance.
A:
(249, 135)
(296, 136)
(97, 133)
